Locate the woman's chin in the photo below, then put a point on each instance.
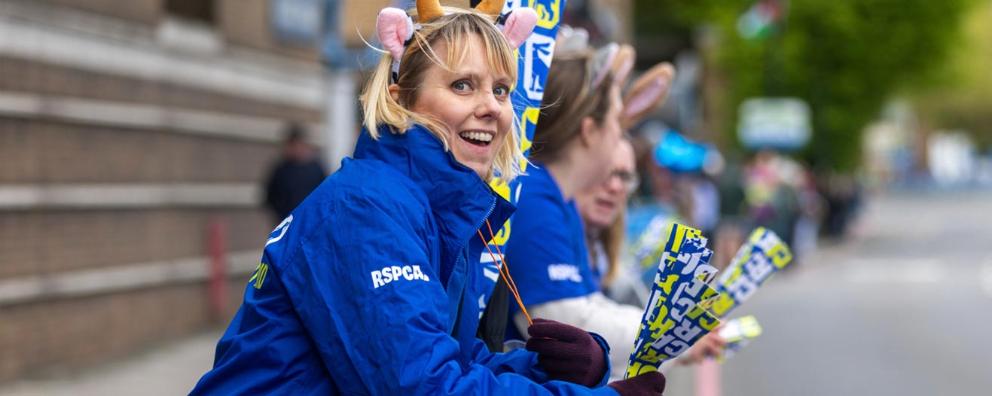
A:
(482, 167)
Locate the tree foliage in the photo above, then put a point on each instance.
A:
(845, 58)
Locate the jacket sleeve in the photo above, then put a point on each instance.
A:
(379, 316)
(617, 323)
(519, 361)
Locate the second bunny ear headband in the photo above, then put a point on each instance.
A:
(574, 42)
(647, 92)
(396, 28)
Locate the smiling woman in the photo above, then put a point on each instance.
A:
(467, 60)
(367, 289)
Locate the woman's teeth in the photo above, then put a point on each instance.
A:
(482, 138)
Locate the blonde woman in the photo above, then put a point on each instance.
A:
(366, 288)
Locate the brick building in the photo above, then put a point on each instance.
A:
(128, 128)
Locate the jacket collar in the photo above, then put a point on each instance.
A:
(459, 198)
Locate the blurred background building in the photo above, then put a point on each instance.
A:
(133, 135)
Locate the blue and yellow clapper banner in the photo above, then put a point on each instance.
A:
(676, 315)
(533, 63)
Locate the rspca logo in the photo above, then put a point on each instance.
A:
(564, 272)
(394, 273)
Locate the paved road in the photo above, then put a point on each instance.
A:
(169, 370)
(905, 309)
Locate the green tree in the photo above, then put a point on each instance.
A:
(845, 58)
(963, 99)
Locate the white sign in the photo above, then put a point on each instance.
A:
(298, 20)
(781, 123)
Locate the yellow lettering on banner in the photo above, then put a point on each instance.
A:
(527, 120)
(666, 286)
(679, 238)
(503, 234)
(708, 293)
(529, 117)
(638, 368)
(693, 233)
(500, 187)
(632, 369)
(780, 255)
(756, 235)
(722, 304)
(548, 18)
(662, 325)
(709, 322)
(735, 273)
(695, 312)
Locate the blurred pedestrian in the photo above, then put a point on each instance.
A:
(298, 172)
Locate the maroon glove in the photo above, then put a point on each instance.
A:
(566, 353)
(647, 384)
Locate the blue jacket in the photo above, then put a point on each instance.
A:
(368, 287)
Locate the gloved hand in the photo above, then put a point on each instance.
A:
(567, 353)
(647, 384)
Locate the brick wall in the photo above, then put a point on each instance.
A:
(63, 335)
(144, 11)
(53, 241)
(26, 76)
(44, 147)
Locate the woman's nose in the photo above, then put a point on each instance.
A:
(614, 184)
(487, 106)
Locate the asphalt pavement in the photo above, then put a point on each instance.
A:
(903, 308)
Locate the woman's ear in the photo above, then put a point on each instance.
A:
(589, 133)
(394, 92)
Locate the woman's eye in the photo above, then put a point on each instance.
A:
(461, 85)
(501, 91)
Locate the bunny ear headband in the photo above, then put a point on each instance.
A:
(396, 28)
(647, 92)
(610, 57)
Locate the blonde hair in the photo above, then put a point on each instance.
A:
(454, 30)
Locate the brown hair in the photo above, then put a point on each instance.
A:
(567, 101)
(614, 237)
(454, 30)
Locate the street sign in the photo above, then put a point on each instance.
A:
(774, 123)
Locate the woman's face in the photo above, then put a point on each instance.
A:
(605, 138)
(473, 101)
(601, 204)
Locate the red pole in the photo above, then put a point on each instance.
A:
(217, 283)
(708, 378)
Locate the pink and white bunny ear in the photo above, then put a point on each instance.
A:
(394, 27)
(623, 64)
(519, 25)
(647, 93)
(602, 62)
